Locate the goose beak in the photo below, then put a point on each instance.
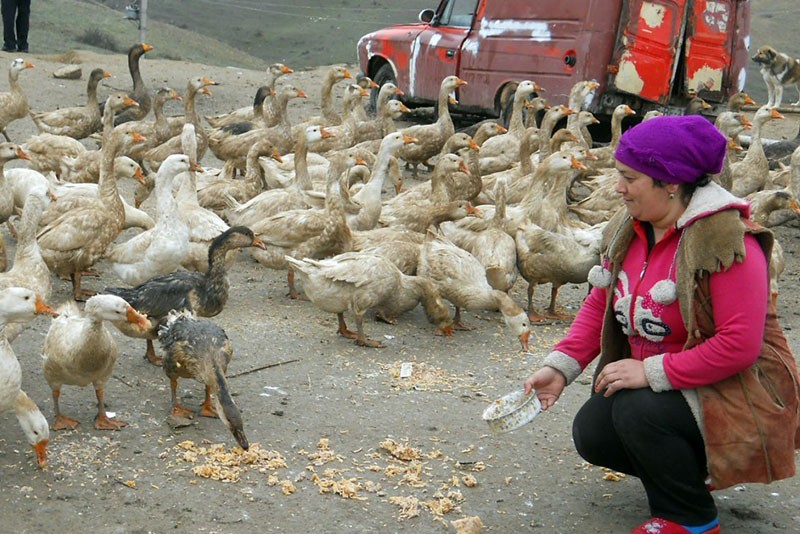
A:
(398, 91)
(404, 108)
(285, 69)
(567, 111)
(139, 176)
(106, 74)
(28, 65)
(452, 100)
(463, 168)
(22, 155)
(473, 145)
(347, 75)
(241, 439)
(795, 206)
(128, 101)
(302, 94)
(774, 114)
(42, 308)
(209, 81)
(194, 166)
(146, 47)
(136, 137)
(407, 139)
(501, 129)
(134, 317)
(748, 100)
(577, 164)
(206, 91)
(325, 133)
(363, 92)
(591, 157)
(523, 338)
(258, 244)
(372, 85)
(472, 210)
(41, 453)
(447, 331)
(537, 87)
(460, 82)
(360, 161)
(276, 155)
(176, 96)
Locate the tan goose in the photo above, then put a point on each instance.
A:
(8, 152)
(750, 174)
(14, 104)
(29, 269)
(232, 146)
(262, 101)
(308, 233)
(605, 154)
(580, 97)
(157, 131)
(383, 124)
(213, 194)
(431, 137)
(330, 117)
(462, 280)
(359, 281)
(343, 135)
(76, 122)
(501, 151)
(155, 156)
(552, 257)
(48, 151)
(139, 92)
(79, 350)
(77, 238)
(296, 194)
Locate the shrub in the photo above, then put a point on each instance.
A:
(99, 39)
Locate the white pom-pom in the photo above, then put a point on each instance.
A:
(600, 277)
(664, 292)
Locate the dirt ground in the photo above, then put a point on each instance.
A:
(323, 421)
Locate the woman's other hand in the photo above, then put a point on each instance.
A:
(548, 383)
(622, 374)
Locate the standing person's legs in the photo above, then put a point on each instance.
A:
(23, 23)
(655, 437)
(8, 8)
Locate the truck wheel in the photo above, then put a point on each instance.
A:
(385, 74)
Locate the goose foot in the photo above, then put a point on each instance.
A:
(447, 331)
(62, 422)
(103, 422)
(182, 411)
(366, 342)
(349, 334)
(207, 409)
(458, 325)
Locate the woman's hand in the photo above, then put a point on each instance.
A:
(548, 383)
(622, 374)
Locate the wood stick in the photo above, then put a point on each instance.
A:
(262, 368)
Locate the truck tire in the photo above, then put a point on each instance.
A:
(383, 75)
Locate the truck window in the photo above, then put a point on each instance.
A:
(458, 13)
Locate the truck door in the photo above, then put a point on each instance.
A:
(435, 51)
(710, 42)
(646, 53)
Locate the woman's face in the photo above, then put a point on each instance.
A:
(643, 199)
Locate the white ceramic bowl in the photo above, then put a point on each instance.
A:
(512, 411)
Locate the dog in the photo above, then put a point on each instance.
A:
(778, 70)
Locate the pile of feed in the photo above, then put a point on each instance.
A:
(219, 463)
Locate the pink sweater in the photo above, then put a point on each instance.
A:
(738, 295)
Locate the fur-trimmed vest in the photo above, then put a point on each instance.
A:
(750, 421)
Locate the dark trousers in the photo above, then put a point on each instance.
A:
(652, 436)
(16, 17)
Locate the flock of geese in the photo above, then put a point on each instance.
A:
(322, 199)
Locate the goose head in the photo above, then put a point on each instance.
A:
(125, 167)
(34, 426)
(18, 305)
(116, 309)
(279, 69)
(19, 64)
(11, 151)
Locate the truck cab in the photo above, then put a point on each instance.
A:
(648, 54)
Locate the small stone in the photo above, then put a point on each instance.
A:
(68, 72)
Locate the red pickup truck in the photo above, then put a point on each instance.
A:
(648, 54)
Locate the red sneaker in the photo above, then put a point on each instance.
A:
(657, 525)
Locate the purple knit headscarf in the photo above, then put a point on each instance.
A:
(677, 150)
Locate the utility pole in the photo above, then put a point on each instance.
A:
(143, 21)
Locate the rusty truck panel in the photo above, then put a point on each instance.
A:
(646, 57)
(551, 42)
